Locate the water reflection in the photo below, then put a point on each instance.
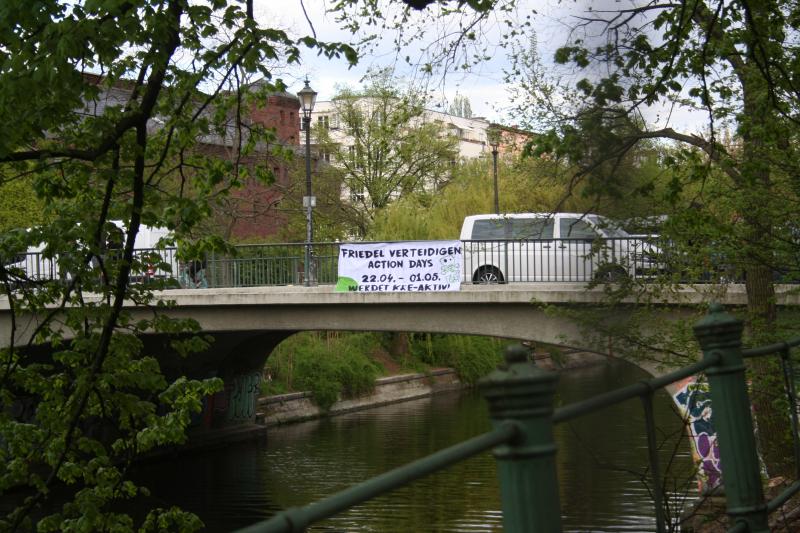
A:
(601, 463)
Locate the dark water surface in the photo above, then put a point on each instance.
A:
(601, 462)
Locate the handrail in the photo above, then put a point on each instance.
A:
(770, 348)
(608, 399)
(520, 397)
(499, 260)
(298, 519)
(775, 503)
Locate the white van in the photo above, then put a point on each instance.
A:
(35, 265)
(551, 247)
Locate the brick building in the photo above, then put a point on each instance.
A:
(250, 213)
(253, 212)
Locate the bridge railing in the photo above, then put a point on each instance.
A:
(526, 260)
(495, 261)
(521, 406)
(484, 261)
(255, 265)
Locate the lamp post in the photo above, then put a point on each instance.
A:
(308, 97)
(495, 143)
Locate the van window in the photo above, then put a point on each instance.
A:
(532, 228)
(513, 228)
(494, 229)
(573, 228)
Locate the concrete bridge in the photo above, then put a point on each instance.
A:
(247, 323)
(244, 320)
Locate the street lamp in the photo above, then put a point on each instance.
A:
(494, 142)
(308, 97)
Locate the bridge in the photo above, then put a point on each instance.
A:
(259, 297)
(521, 400)
(248, 322)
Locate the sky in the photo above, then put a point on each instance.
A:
(483, 84)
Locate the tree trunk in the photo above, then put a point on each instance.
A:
(399, 345)
(757, 128)
(767, 389)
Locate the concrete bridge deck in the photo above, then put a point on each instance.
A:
(247, 323)
(496, 310)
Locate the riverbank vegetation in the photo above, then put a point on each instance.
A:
(345, 365)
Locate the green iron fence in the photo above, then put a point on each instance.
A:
(520, 397)
(483, 261)
(271, 264)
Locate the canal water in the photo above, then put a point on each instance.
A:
(602, 466)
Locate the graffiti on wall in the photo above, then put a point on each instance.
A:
(694, 401)
(243, 396)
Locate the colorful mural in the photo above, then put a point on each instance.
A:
(694, 401)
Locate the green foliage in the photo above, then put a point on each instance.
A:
(524, 186)
(471, 357)
(344, 366)
(383, 148)
(172, 519)
(19, 207)
(77, 150)
(460, 107)
(329, 368)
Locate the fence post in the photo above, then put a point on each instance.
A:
(720, 333)
(521, 392)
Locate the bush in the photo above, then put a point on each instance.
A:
(471, 357)
(339, 365)
(329, 368)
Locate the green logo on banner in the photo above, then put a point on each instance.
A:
(346, 285)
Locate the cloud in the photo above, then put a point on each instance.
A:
(483, 84)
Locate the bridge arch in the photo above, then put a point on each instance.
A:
(248, 322)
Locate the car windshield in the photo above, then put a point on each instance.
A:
(608, 227)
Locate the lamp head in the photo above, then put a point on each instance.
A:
(493, 138)
(308, 98)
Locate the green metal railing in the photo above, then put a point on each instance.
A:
(256, 265)
(484, 261)
(520, 397)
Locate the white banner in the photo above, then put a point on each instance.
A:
(400, 266)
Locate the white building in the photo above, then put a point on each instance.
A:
(470, 132)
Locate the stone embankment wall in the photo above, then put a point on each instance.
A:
(298, 406)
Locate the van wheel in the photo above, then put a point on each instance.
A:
(488, 276)
(611, 274)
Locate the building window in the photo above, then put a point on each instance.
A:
(357, 193)
(283, 118)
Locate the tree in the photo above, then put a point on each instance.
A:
(19, 206)
(524, 185)
(737, 63)
(331, 217)
(460, 107)
(385, 148)
(79, 416)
